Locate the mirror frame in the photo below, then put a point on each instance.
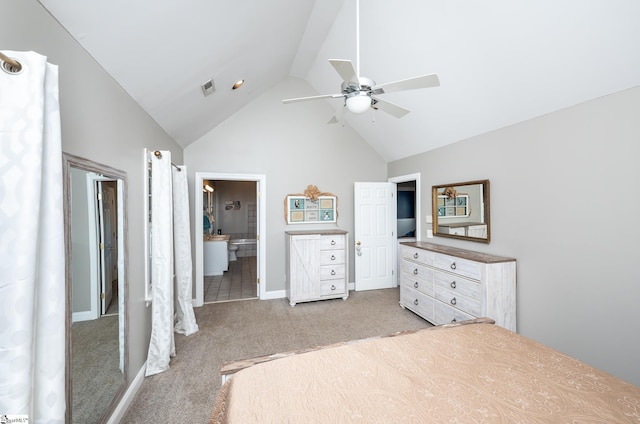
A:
(434, 210)
(71, 161)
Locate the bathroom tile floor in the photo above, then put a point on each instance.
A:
(238, 283)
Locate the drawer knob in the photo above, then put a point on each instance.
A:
(415, 271)
(453, 301)
(333, 257)
(454, 320)
(453, 265)
(415, 284)
(415, 255)
(333, 287)
(453, 284)
(333, 272)
(333, 242)
(415, 302)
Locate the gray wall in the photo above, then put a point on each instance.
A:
(293, 146)
(233, 221)
(81, 270)
(559, 184)
(101, 122)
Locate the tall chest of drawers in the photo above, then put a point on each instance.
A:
(444, 284)
(316, 265)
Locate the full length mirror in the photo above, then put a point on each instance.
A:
(461, 210)
(96, 288)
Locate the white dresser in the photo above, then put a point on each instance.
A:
(316, 265)
(445, 284)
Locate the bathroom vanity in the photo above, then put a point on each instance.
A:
(215, 253)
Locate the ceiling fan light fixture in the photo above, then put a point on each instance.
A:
(358, 103)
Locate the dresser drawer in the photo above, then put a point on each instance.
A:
(329, 288)
(332, 242)
(465, 304)
(328, 257)
(422, 286)
(417, 255)
(444, 314)
(455, 283)
(332, 272)
(416, 272)
(459, 266)
(417, 302)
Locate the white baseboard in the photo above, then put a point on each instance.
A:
(128, 397)
(82, 316)
(278, 294)
(352, 286)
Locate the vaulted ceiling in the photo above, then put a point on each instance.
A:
(499, 61)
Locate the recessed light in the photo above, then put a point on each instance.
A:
(237, 85)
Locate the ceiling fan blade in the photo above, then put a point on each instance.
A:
(345, 69)
(424, 81)
(337, 117)
(304, 99)
(391, 108)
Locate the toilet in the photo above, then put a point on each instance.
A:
(233, 248)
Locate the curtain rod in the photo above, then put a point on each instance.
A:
(158, 154)
(12, 62)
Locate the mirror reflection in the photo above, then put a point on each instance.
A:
(94, 196)
(461, 210)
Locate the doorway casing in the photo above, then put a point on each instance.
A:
(261, 202)
(403, 179)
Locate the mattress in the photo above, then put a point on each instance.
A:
(478, 373)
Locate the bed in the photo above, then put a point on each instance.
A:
(470, 372)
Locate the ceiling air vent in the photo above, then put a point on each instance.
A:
(207, 87)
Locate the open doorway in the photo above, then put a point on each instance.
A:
(230, 222)
(407, 212)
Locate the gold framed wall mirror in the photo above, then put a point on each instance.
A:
(461, 210)
(96, 288)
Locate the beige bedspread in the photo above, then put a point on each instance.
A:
(478, 373)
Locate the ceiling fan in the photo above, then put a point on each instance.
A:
(361, 93)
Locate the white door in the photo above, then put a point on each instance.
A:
(105, 244)
(375, 217)
(110, 242)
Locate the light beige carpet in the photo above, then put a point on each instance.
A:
(239, 330)
(95, 367)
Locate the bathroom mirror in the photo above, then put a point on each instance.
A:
(96, 287)
(461, 210)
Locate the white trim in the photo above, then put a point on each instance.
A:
(261, 200)
(94, 252)
(82, 316)
(145, 226)
(413, 177)
(403, 179)
(128, 396)
(270, 295)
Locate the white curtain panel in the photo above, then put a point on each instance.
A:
(32, 279)
(161, 345)
(186, 319)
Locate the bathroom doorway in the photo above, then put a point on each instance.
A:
(235, 209)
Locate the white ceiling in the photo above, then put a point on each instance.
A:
(499, 61)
